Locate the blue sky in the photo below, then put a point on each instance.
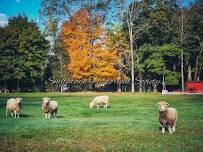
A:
(9, 8)
(30, 8)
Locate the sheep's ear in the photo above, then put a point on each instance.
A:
(19, 99)
(167, 104)
(158, 104)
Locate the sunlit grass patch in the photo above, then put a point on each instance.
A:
(129, 124)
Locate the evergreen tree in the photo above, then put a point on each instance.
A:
(24, 50)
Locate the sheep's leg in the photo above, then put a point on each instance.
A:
(18, 114)
(46, 115)
(15, 113)
(169, 129)
(11, 114)
(55, 114)
(163, 129)
(174, 127)
(105, 106)
(49, 115)
(97, 106)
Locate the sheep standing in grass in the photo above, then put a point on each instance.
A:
(49, 107)
(167, 117)
(100, 100)
(14, 106)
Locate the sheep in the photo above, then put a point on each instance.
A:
(14, 106)
(49, 107)
(100, 100)
(167, 117)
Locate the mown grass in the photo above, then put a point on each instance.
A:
(130, 124)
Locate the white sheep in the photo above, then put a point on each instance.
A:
(49, 107)
(14, 106)
(167, 117)
(100, 100)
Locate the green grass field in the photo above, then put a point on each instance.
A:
(130, 124)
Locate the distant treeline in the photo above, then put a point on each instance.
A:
(104, 40)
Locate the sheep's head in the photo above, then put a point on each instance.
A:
(18, 100)
(91, 104)
(45, 100)
(163, 106)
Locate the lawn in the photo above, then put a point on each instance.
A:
(130, 124)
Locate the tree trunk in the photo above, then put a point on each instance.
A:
(155, 88)
(163, 83)
(118, 87)
(198, 75)
(182, 72)
(182, 32)
(198, 78)
(61, 70)
(35, 87)
(61, 89)
(132, 62)
(118, 84)
(197, 69)
(5, 87)
(149, 88)
(189, 73)
(140, 83)
(174, 67)
(144, 87)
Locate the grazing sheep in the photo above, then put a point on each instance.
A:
(100, 100)
(14, 106)
(167, 117)
(49, 107)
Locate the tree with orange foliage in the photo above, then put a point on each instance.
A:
(91, 58)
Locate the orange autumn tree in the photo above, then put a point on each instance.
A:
(91, 58)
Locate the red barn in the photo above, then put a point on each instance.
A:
(195, 86)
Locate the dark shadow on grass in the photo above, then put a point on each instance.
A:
(25, 115)
(60, 117)
(101, 107)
